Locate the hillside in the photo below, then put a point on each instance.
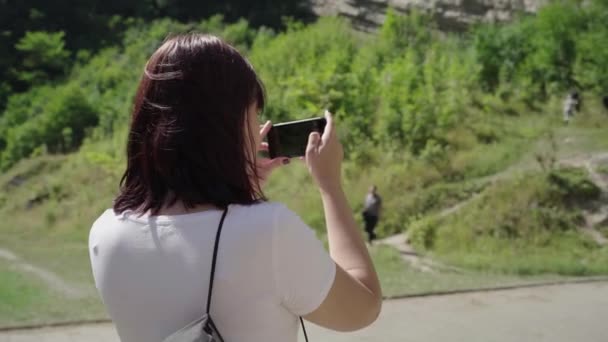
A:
(436, 120)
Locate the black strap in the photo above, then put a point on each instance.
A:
(304, 329)
(217, 242)
(215, 248)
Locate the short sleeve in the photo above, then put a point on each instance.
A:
(303, 270)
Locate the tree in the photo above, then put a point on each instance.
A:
(43, 57)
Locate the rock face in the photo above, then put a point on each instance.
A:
(451, 15)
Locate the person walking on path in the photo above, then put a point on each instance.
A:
(371, 212)
(571, 105)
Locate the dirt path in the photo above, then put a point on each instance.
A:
(53, 281)
(564, 313)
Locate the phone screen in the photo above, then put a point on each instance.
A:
(289, 139)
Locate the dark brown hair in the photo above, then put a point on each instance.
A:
(188, 136)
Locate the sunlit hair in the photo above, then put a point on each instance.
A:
(188, 139)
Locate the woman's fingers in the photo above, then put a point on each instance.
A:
(278, 162)
(263, 146)
(329, 127)
(313, 142)
(264, 129)
(267, 166)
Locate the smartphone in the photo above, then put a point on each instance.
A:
(289, 139)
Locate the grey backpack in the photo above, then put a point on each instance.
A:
(203, 329)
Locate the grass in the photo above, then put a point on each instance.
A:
(19, 296)
(25, 299)
(604, 230)
(565, 255)
(603, 170)
(526, 226)
(398, 278)
(53, 232)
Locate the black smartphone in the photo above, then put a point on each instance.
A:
(289, 139)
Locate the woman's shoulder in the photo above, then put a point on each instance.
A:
(103, 227)
(104, 219)
(108, 218)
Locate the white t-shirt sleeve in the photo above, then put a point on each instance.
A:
(303, 270)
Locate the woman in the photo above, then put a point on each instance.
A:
(192, 152)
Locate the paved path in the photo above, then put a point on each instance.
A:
(564, 313)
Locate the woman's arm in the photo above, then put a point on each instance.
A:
(355, 298)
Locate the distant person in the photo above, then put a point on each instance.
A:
(571, 105)
(193, 168)
(605, 101)
(371, 212)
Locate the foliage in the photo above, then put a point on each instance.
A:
(555, 51)
(501, 50)
(591, 69)
(314, 72)
(55, 118)
(91, 25)
(43, 56)
(408, 88)
(96, 97)
(377, 88)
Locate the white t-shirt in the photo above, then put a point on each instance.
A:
(153, 272)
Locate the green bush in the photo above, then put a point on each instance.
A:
(59, 124)
(422, 233)
(591, 69)
(43, 56)
(98, 95)
(500, 51)
(552, 52)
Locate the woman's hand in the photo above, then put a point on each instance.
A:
(324, 156)
(265, 166)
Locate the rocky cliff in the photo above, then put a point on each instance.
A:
(451, 15)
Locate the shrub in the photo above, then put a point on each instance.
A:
(422, 232)
(60, 124)
(43, 56)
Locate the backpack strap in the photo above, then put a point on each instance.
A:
(211, 278)
(304, 329)
(215, 247)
